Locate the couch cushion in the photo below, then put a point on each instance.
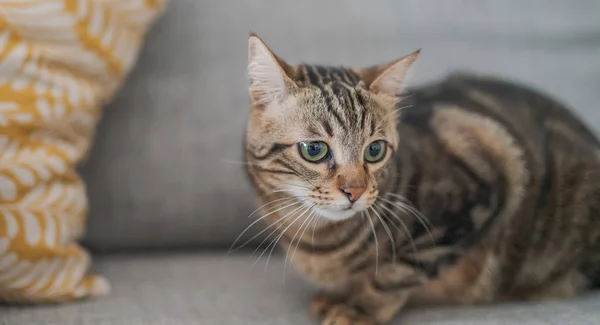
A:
(195, 289)
(59, 62)
(161, 171)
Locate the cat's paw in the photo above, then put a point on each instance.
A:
(320, 304)
(346, 315)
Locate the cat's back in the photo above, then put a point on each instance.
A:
(525, 113)
(539, 157)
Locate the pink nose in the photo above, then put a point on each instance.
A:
(353, 193)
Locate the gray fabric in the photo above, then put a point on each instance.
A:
(157, 175)
(194, 289)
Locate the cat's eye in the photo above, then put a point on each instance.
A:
(313, 151)
(375, 151)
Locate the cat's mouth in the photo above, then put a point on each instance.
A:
(339, 213)
(337, 210)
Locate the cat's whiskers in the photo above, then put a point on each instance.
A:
(288, 215)
(231, 249)
(282, 191)
(271, 202)
(376, 245)
(294, 237)
(392, 223)
(396, 110)
(311, 217)
(406, 206)
(281, 222)
(307, 222)
(282, 234)
(389, 233)
(420, 218)
(314, 227)
(397, 217)
(399, 197)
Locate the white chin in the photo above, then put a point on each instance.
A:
(336, 215)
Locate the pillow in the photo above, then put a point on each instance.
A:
(60, 60)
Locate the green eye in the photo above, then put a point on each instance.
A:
(313, 151)
(375, 151)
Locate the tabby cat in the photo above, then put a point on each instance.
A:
(470, 190)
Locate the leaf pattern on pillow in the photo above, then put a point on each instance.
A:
(60, 60)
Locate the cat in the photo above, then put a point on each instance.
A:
(467, 190)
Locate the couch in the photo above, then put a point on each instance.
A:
(168, 193)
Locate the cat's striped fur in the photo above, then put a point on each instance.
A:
(490, 192)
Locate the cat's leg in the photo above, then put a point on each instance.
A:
(322, 302)
(375, 300)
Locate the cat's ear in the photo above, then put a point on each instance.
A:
(267, 73)
(389, 78)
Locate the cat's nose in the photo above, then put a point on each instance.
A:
(353, 193)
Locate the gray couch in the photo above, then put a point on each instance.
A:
(167, 197)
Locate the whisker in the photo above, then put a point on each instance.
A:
(408, 205)
(406, 230)
(311, 217)
(314, 226)
(376, 246)
(396, 110)
(231, 250)
(391, 219)
(281, 191)
(308, 219)
(280, 223)
(389, 233)
(423, 220)
(264, 205)
(280, 236)
(280, 220)
(404, 97)
(294, 237)
(276, 237)
(399, 197)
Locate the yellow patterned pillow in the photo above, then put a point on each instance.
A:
(60, 60)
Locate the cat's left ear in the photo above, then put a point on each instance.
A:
(390, 78)
(269, 80)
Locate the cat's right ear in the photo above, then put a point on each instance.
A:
(267, 73)
(389, 79)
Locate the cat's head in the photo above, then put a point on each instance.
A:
(324, 135)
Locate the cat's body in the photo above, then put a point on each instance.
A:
(488, 191)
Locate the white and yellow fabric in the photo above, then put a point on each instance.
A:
(60, 60)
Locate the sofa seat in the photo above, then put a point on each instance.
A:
(215, 289)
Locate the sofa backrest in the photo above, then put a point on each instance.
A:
(162, 172)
